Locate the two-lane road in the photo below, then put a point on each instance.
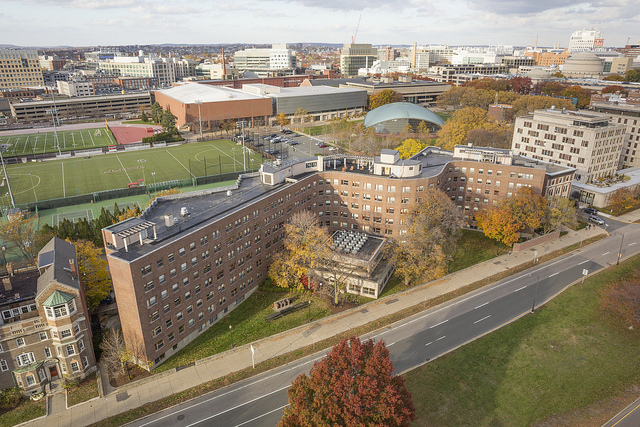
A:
(259, 401)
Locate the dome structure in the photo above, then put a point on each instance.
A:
(583, 64)
(394, 117)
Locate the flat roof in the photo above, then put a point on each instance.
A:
(192, 92)
(286, 92)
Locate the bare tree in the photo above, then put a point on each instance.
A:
(115, 354)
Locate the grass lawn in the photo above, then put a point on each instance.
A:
(328, 128)
(444, 116)
(161, 166)
(473, 248)
(248, 324)
(564, 357)
(25, 411)
(139, 122)
(87, 389)
(46, 142)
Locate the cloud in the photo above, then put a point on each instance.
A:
(86, 4)
(509, 7)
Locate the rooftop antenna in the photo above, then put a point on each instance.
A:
(353, 38)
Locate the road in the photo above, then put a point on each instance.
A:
(259, 401)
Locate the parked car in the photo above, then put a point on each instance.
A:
(322, 145)
(596, 219)
(591, 211)
(333, 149)
(294, 143)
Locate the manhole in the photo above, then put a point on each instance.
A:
(180, 417)
(122, 396)
(498, 262)
(364, 310)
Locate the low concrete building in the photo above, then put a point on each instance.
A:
(413, 91)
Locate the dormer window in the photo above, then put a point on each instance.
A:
(59, 304)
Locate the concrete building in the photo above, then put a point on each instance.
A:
(553, 58)
(45, 330)
(277, 61)
(588, 142)
(215, 71)
(599, 194)
(107, 106)
(75, 87)
(585, 40)
(166, 70)
(356, 56)
(20, 68)
(627, 115)
(179, 274)
(51, 62)
(419, 92)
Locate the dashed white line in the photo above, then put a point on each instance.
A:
(389, 345)
(631, 244)
(586, 260)
(606, 253)
(436, 340)
(441, 338)
(480, 320)
(438, 324)
(482, 305)
(260, 416)
(519, 289)
(554, 274)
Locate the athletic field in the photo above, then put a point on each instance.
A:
(85, 175)
(45, 142)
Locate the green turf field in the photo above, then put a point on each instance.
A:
(70, 177)
(45, 142)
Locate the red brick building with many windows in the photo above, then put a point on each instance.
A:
(190, 259)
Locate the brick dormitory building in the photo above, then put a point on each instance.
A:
(191, 258)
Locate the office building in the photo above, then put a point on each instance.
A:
(627, 115)
(419, 92)
(45, 330)
(189, 260)
(20, 68)
(356, 56)
(588, 142)
(585, 40)
(75, 87)
(277, 61)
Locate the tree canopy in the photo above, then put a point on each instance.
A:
(632, 75)
(455, 130)
(94, 273)
(352, 385)
(409, 147)
(384, 97)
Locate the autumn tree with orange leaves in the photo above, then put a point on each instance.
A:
(352, 386)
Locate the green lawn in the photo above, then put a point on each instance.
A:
(85, 175)
(328, 128)
(249, 325)
(25, 411)
(473, 248)
(562, 358)
(46, 142)
(87, 389)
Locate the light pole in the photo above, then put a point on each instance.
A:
(535, 293)
(199, 101)
(141, 163)
(231, 331)
(309, 311)
(33, 187)
(153, 174)
(6, 177)
(234, 158)
(620, 251)
(242, 124)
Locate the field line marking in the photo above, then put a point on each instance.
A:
(92, 141)
(232, 159)
(83, 144)
(189, 172)
(109, 136)
(64, 190)
(44, 147)
(26, 143)
(123, 168)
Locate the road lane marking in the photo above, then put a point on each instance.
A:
(438, 324)
(260, 416)
(436, 340)
(480, 320)
(554, 274)
(519, 289)
(482, 305)
(631, 244)
(586, 260)
(606, 253)
(389, 345)
(441, 338)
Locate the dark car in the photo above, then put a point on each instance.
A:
(590, 211)
(294, 143)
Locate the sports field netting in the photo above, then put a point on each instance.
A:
(72, 216)
(45, 142)
(75, 176)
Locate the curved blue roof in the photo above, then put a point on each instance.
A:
(401, 110)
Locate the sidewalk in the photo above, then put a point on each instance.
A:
(164, 384)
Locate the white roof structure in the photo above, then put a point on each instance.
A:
(192, 92)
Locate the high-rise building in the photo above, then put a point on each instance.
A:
(356, 56)
(585, 40)
(20, 68)
(588, 142)
(277, 61)
(629, 116)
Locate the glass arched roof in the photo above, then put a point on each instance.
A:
(401, 110)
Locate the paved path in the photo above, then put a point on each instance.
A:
(164, 384)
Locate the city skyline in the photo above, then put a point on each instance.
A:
(475, 22)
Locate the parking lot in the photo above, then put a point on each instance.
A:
(289, 144)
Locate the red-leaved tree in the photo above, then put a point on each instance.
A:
(352, 386)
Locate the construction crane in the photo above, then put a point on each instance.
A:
(353, 38)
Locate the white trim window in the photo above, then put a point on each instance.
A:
(43, 336)
(62, 310)
(31, 380)
(20, 342)
(80, 345)
(75, 366)
(85, 362)
(25, 359)
(4, 366)
(70, 349)
(47, 352)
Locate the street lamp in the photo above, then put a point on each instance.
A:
(141, 163)
(234, 158)
(620, 251)
(231, 331)
(153, 174)
(535, 293)
(242, 124)
(309, 311)
(199, 101)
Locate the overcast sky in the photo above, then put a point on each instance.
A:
(454, 22)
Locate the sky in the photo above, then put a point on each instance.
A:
(394, 22)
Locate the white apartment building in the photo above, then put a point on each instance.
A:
(584, 40)
(166, 70)
(277, 61)
(75, 88)
(588, 142)
(629, 116)
(20, 68)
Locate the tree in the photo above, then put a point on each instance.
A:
(498, 137)
(144, 117)
(168, 121)
(521, 85)
(432, 228)
(305, 247)
(632, 75)
(384, 97)
(622, 301)
(352, 385)
(559, 213)
(114, 352)
(583, 96)
(94, 273)
(156, 112)
(615, 89)
(20, 229)
(299, 116)
(454, 132)
(409, 147)
(529, 103)
(621, 199)
(487, 83)
(130, 212)
(522, 212)
(614, 78)
(282, 120)
(559, 75)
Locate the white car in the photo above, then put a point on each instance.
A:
(333, 149)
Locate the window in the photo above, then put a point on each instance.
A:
(63, 366)
(25, 359)
(81, 345)
(65, 333)
(71, 350)
(182, 251)
(43, 336)
(47, 352)
(31, 380)
(179, 316)
(76, 330)
(164, 294)
(85, 362)
(159, 263)
(20, 342)
(171, 257)
(145, 270)
(151, 301)
(75, 366)
(3, 365)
